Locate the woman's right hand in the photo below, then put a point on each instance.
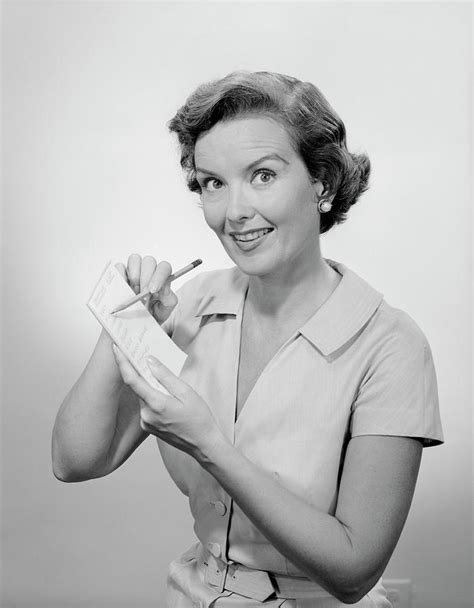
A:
(145, 273)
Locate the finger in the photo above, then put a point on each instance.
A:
(145, 414)
(162, 296)
(146, 272)
(174, 385)
(133, 271)
(129, 375)
(126, 369)
(122, 270)
(165, 298)
(160, 276)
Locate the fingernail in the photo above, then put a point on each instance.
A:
(152, 361)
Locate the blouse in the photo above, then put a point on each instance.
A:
(358, 366)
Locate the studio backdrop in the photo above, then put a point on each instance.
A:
(90, 174)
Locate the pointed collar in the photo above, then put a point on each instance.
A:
(226, 294)
(344, 313)
(336, 321)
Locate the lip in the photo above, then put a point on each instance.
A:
(251, 230)
(249, 245)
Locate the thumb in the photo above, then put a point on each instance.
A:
(166, 378)
(163, 299)
(168, 298)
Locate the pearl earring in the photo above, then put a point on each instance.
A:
(324, 206)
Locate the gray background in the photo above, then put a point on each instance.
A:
(90, 173)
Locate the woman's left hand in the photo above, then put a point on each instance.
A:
(182, 419)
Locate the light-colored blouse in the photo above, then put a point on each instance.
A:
(358, 366)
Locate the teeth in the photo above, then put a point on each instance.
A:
(250, 236)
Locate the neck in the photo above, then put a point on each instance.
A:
(287, 295)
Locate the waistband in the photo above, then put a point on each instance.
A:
(252, 583)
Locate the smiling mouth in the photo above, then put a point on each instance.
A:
(251, 236)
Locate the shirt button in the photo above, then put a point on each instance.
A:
(215, 549)
(220, 507)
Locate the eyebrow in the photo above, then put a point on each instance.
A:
(252, 165)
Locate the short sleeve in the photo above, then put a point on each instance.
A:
(399, 393)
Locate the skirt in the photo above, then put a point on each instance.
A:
(187, 588)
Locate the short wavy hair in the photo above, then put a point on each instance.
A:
(316, 131)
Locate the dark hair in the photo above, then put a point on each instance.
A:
(317, 132)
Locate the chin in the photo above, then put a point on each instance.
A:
(253, 267)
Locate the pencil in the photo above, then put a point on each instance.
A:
(146, 292)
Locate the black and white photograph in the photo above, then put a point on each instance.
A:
(236, 304)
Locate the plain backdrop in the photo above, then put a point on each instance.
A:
(90, 173)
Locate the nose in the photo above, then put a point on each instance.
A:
(239, 206)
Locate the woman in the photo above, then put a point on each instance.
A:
(298, 421)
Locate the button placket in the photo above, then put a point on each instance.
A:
(236, 338)
(220, 502)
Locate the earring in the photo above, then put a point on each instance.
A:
(324, 206)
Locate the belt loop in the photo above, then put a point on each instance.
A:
(216, 572)
(257, 584)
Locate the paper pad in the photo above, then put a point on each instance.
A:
(134, 330)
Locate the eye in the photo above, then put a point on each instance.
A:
(264, 176)
(211, 184)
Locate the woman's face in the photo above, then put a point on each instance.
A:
(257, 195)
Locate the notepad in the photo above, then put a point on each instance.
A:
(134, 330)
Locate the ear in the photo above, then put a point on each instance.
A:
(321, 190)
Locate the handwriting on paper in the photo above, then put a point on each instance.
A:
(134, 330)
